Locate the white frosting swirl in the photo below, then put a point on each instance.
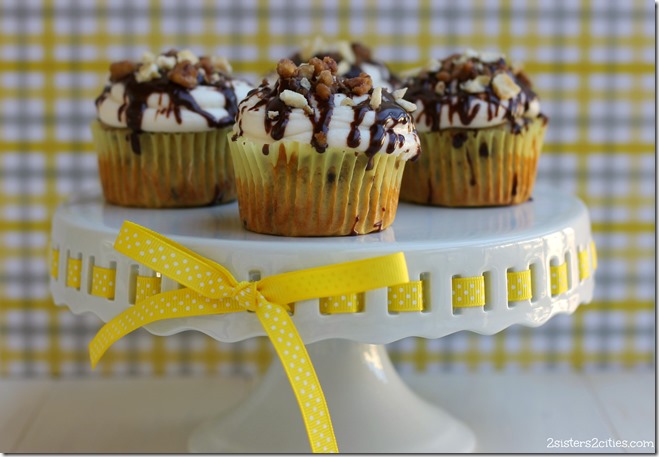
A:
(158, 116)
(300, 128)
(487, 114)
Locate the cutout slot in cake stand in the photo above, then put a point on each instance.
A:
(372, 409)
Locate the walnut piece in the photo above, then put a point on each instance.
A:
(306, 71)
(286, 68)
(121, 69)
(323, 91)
(221, 64)
(440, 87)
(273, 114)
(359, 85)
(504, 86)
(184, 74)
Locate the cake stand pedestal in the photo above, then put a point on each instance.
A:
(371, 408)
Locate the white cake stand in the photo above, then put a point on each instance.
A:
(372, 409)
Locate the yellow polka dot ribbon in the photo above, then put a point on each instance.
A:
(468, 292)
(519, 285)
(210, 289)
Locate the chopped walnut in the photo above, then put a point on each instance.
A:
(361, 52)
(323, 91)
(443, 76)
(325, 77)
(221, 64)
(359, 85)
(376, 98)
(330, 64)
(504, 86)
(273, 114)
(184, 74)
(440, 87)
(119, 70)
(286, 68)
(318, 65)
(306, 71)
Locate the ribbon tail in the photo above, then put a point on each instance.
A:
(167, 305)
(301, 374)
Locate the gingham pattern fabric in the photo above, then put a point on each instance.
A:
(592, 63)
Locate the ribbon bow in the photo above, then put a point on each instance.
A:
(211, 289)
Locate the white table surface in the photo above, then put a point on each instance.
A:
(508, 412)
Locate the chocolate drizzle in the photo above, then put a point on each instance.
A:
(388, 114)
(137, 94)
(459, 102)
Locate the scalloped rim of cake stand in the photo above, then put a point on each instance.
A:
(438, 242)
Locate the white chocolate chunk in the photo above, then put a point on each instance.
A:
(304, 82)
(345, 49)
(273, 114)
(376, 98)
(186, 54)
(221, 64)
(342, 67)
(407, 106)
(504, 86)
(476, 85)
(147, 72)
(166, 62)
(295, 100)
(347, 102)
(399, 93)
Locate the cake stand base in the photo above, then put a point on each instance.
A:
(372, 410)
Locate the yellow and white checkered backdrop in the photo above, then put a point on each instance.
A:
(592, 62)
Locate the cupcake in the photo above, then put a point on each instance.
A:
(161, 131)
(318, 154)
(352, 59)
(481, 133)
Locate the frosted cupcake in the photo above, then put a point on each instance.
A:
(317, 154)
(161, 131)
(481, 133)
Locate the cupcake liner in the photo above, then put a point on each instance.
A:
(475, 167)
(290, 189)
(171, 169)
